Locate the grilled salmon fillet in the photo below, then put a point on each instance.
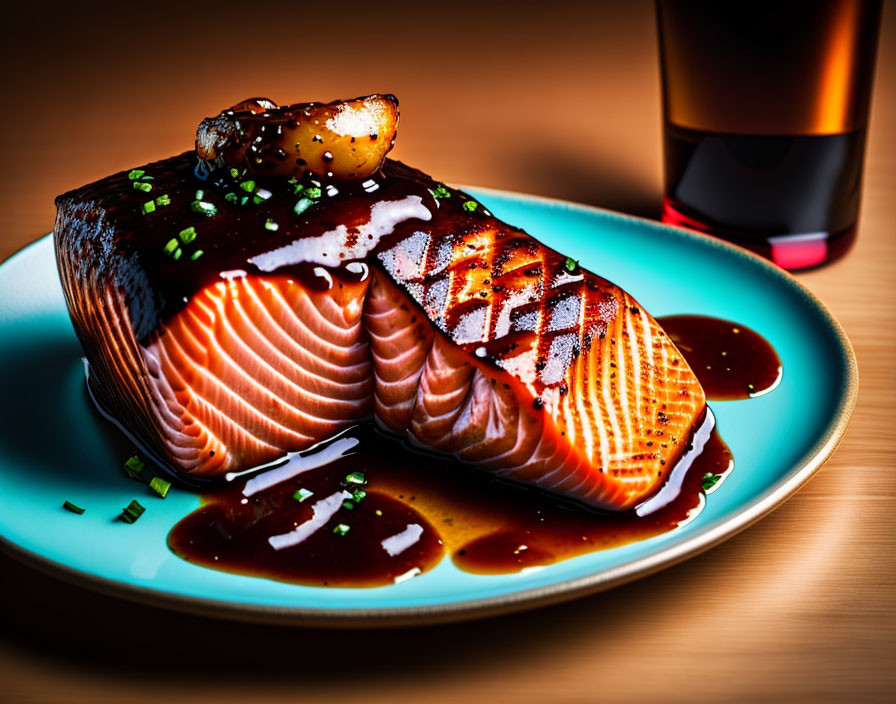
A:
(228, 320)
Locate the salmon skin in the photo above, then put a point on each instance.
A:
(228, 321)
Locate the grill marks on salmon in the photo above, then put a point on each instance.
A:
(594, 402)
(449, 328)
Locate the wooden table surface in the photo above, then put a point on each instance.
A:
(551, 100)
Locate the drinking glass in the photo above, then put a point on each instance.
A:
(765, 114)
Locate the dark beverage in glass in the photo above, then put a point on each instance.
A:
(765, 111)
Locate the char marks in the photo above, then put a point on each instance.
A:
(572, 378)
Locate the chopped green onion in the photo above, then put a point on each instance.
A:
(204, 207)
(341, 529)
(198, 253)
(132, 512)
(231, 197)
(248, 186)
(571, 265)
(140, 186)
(160, 486)
(244, 200)
(356, 478)
(149, 207)
(163, 199)
(348, 504)
(133, 466)
(313, 192)
(271, 225)
(470, 205)
(135, 174)
(440, 192)
(297, 187)
(69, 506)
(200, 194)
(303, 205)
(358, 495)
(171, 246)
(178, 253)
(710, 480)
(302, 494)
(187, 235)
(234, 173)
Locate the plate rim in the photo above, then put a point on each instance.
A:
(536, 597)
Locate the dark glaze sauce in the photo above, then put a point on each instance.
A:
(730, 360)
(486, 526)
(231, 531)
(434, 242)
(158, 285)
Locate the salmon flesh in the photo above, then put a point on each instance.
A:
(227, 322)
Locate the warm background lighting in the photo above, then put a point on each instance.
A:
(558, 99)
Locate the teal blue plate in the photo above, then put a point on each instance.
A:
(54, 447)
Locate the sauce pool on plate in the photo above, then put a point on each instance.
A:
(731, 361)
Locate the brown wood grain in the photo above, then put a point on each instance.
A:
(550, 99)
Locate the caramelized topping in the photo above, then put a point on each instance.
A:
(343, 139)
